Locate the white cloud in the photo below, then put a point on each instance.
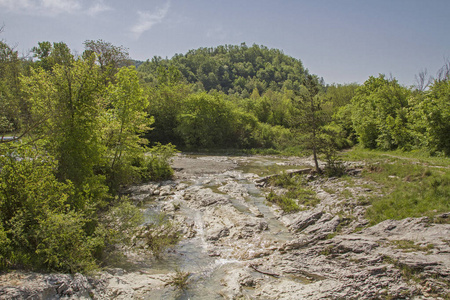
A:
(148, 19)
(98, 8)
(53, 7)
(61, 6)
(17, 4)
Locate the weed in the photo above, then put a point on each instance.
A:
(346, 194)
(179, 280)
(408, 273)
(327, 250)
(329, 190)
(410, 246)
(287, 204)
(160, 235)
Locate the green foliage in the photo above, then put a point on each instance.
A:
(267, 136)
(180, 280)
(109, 57)
(119, 223)
(10, 108)
(56, 198)
(157, 162)
(410, 188)
(287, 204)
(234, 70)
(66, 102)
(49, 55)
(435, 109)
(160, 235)
(379, 111)
(206, 121)
(166, 104)
(62, 244)
(124, 121)
(40, 227)
(294, 195)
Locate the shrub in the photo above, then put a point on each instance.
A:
(37, 226)
(160, 235)
(157, 163)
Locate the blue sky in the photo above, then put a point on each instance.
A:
(340, 40)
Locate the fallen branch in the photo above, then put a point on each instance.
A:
(263, 272)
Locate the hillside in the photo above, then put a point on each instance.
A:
(234, 69)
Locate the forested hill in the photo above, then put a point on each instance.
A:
(233, 69)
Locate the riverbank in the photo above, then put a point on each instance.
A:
(235, 245)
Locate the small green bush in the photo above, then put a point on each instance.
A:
(160, 235)
(157, 163)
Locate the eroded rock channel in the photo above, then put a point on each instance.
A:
(236, 246)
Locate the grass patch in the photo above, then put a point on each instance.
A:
(329, 190)
(346, 194)
(408, 273)
(294, 195)
(410, 246)
(411, 183)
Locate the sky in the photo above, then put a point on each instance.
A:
(343, 41)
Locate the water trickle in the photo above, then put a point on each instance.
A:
(251, 227)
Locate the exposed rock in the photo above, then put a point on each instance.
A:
(304, 219)
(238, 248)
(202, 197)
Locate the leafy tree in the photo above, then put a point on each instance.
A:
(110, 58)
(67, 99)
(41, 230)
(206, 121)
(310, 117)
(379, 110)
(124, 122)
(49, 55)
(434, 115)
(233, 69)
(165, 104)
(10, 104)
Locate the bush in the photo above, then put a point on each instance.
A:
(157, 163)
(62, 244)
(37, 226)
(160, 235)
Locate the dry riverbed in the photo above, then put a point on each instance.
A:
(235, 246)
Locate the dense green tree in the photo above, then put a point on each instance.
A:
(234, 69)
(206, 121)
(109, 57)
(433, 113)
(67, 99)
(379, 110)
(124, 121)
(48, 55)
(39, 228)
(10, 101)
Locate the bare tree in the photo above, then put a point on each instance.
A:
(444, 72)
(423, 80)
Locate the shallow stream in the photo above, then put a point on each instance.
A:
(209, 261)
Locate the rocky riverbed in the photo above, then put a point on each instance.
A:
(236, 246)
